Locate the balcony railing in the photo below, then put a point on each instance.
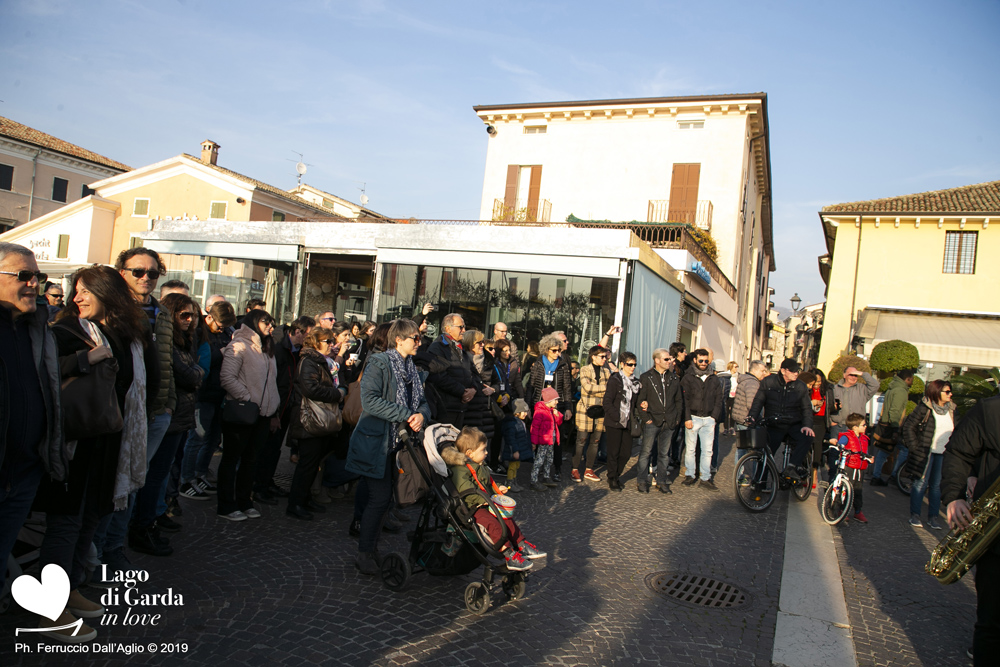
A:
(522, 211)
(701, 216)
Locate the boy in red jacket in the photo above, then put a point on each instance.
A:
(855, 441)
(544, 435)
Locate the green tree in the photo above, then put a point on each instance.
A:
(969, 388)
(892, 356)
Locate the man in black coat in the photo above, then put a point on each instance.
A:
(702, 409)
(451, 377)
(974, 451)
(661, 403)
(787, 412)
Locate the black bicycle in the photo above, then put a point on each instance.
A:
(757, 478)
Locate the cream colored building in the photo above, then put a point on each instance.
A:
(40, 173)
(921, 268)
(702, 161)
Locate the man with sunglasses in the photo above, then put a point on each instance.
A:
(31, 441)
(141, 268)
(661, 405)
(54, 297)
(450, 372)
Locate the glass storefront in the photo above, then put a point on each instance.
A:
(531, 304)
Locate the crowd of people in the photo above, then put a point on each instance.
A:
(157, 384)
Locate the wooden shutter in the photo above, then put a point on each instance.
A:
(510, 194)
(684, 193)
(534, 187)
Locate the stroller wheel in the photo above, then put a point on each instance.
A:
(514, 587)
(477, 598)
(395, 571)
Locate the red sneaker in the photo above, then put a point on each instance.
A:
(575, 476)
(860, 516)
(591, 475)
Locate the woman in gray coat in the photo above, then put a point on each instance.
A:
(392, 395)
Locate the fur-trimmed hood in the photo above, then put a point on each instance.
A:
(453, 457)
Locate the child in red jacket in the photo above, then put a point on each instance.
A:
(855, 441)
(544, 435)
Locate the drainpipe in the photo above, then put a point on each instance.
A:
(34, 168)
(854, 294)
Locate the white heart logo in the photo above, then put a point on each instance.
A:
(47, 598)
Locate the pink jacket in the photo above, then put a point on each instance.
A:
(545, 425)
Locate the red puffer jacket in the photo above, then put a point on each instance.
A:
(858, 445)
(545, 425)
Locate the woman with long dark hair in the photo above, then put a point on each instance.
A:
(249, 373)
(821, 396)
(150, 502)
(926, 432)
(101, 324)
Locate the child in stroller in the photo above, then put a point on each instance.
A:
(465, 462)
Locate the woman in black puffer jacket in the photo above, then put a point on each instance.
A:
(315, 381)
(478, 413)
(619, 405)
(926, 432)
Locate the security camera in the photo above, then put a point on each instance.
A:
(490, 130)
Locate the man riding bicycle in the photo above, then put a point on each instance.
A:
(787, 412)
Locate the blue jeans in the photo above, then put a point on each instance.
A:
(662, 435)
(113, 527)
(931, 483)
(904, 453)
(15, 505)
(198, 449)
(150, 496)
(335, 473)
(703, 433)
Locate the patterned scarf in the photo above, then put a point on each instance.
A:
(131, 473)
(630, 385)
(407, 385)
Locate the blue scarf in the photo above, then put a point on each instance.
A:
(409, 390)
(550, 366)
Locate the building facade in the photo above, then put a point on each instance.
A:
(40, 173)
(920, 268)
(698, 161)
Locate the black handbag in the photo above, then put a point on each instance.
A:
(884, 436)
(595, 411)
(89, 402)
(496, 410)
(635, 426)
(243, 413)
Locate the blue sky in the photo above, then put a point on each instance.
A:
(865, 99)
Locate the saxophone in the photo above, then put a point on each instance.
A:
(957, 552)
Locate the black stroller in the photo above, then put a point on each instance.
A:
(446, 541)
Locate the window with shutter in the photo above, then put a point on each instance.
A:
(86, 191)
(59, 188)
(6, 177)
(140, 208)
(960, 252)
(277, 217)
(62, 252)
(218, 210)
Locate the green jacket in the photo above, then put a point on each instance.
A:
(895, 402)
(462, 478)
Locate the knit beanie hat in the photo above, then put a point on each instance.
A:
(520, 405)
(548, 394)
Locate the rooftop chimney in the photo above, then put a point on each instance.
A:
(210, 152)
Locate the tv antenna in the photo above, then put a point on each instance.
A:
(364, 197)
(301, 167)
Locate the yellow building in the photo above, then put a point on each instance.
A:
(922, 268)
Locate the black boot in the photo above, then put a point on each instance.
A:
(147, 540)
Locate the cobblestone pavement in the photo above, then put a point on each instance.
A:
(281, 591)
(900, 615)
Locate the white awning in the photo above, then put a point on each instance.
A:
(955, 340)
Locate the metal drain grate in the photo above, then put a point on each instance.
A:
(697, 590)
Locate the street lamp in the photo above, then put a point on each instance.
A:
(796, 302)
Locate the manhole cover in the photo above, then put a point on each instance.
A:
(698, 590)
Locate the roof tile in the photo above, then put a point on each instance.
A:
(979, 198)
(29, 135)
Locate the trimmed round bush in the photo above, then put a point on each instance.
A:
(891, 356)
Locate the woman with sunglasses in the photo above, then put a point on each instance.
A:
(249, 373)
(392, 397)
(552, 370)
(150, 511)
(478, 413)
(315, 381)
(101, 323)
(926, 431)
(593, 383)
(619, 403)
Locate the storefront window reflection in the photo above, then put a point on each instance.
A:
(531, 304)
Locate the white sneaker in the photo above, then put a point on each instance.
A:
(234, 516)
(252, 513)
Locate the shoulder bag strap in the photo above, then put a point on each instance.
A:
(475, 477)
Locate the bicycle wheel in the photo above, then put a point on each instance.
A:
(904, 484)
(803, 490)
(837, 500)
(755, 481)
